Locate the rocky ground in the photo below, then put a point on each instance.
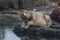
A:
(7, 18)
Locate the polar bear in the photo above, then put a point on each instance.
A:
(37, 18)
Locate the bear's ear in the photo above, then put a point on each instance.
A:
(24, 14)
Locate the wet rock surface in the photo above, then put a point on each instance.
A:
(37, 33)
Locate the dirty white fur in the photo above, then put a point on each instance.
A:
(38, 19)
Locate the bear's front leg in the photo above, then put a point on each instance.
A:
(29, 23)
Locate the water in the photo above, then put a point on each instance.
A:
(7, 34)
